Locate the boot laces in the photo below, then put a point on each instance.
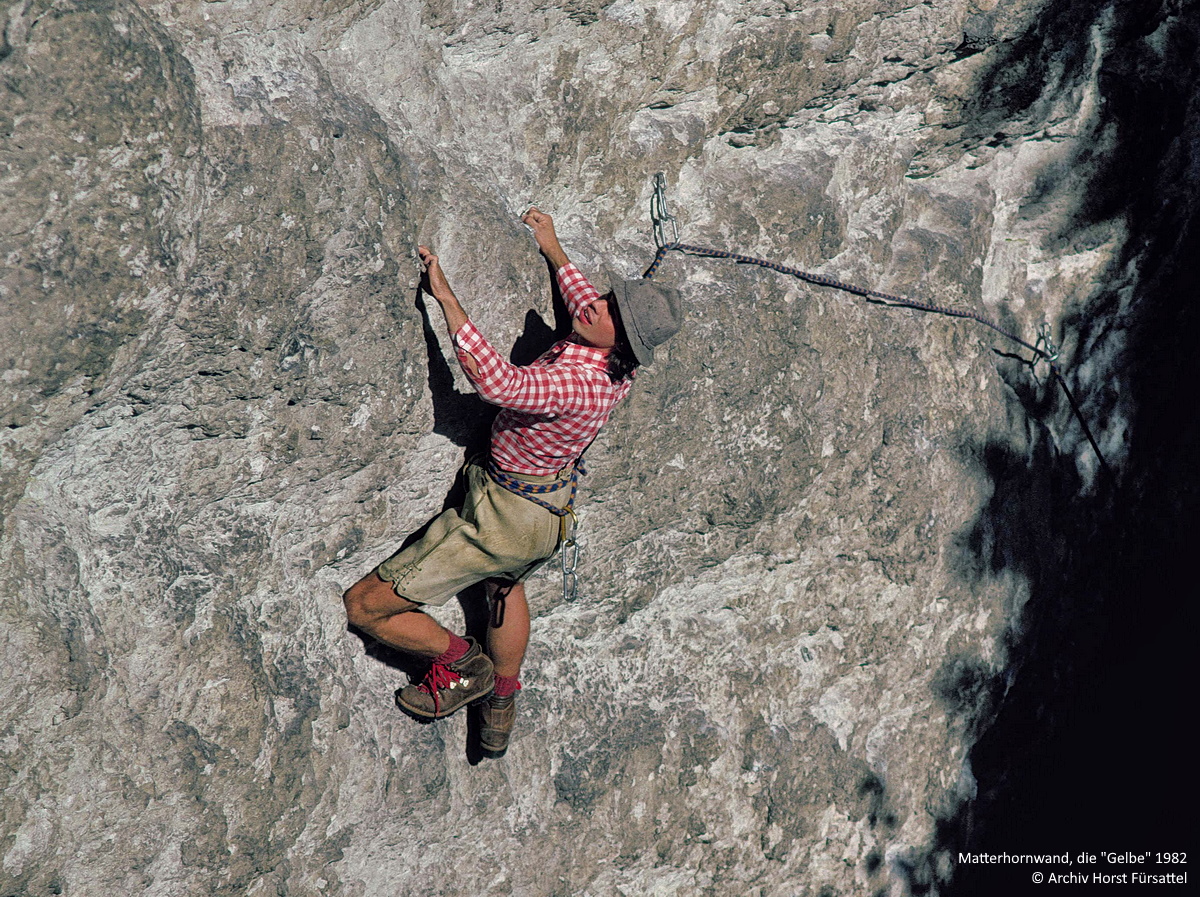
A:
(439, 676)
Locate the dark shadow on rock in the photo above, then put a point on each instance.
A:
(539, 336)
(1081, 744)
(475, 609)
(463, 418)
(536, 339)
(562, 319)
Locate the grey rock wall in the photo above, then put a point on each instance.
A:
(223, 403)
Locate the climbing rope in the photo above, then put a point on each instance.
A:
(1044, 349)
(822, 280)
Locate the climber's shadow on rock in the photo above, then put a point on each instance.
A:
(539, 336)
(463, 418)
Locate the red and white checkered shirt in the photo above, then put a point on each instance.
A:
(552, 408)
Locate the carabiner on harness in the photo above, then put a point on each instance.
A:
(570, 562)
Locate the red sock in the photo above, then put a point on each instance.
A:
(458, 648)
(505, 686)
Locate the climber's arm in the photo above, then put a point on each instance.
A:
(577, 292)
(438, 287)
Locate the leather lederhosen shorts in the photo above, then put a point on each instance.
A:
(495, 534)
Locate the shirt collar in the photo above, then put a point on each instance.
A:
(573, 352)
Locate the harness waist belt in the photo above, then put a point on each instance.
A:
(531, 491)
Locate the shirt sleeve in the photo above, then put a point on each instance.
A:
(576, 291)
(539, 389)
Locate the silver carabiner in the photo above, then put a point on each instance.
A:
(659, 216)
(1045, 349)
(570, 562)
(1045, 344)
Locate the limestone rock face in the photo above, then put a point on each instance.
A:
(223, 402)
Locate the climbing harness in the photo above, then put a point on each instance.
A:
(568, 522)
(531, 491)
(1043, 350)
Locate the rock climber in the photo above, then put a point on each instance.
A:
(512, 519)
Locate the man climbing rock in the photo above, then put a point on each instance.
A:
(512, 519)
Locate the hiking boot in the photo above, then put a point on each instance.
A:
(496, 718)
(449, 686)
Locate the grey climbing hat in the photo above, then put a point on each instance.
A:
(650, 312)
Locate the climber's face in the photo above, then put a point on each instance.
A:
(596, 324)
